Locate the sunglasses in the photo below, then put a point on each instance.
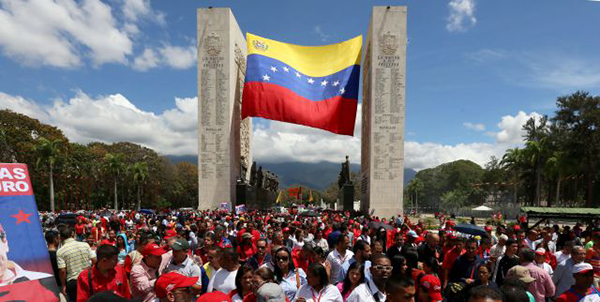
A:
(380, 268)
(283, 258)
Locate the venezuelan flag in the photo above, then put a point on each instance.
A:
(315, 86)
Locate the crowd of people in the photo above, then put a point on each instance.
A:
(263, 256)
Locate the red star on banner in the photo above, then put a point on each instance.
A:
(21, 217)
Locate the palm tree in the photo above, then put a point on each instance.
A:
(535, 153)
(113, 164)
(511, 161)
(415, 186)
(140, 174)
(48, 151)
(557, 166)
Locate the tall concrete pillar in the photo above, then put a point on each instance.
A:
(382, 145)
(223, 139)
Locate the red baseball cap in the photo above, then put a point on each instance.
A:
(488, 228)
(433, 286)
(153, 249)
(170, 233)
(214, 297)
(170, 281)
(517, 227)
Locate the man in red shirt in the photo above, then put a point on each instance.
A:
(111, 240)
(250, 229)
(80, 228)
(584, 278)
(449, 259)
(105, 275)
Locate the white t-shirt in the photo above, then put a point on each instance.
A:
(545, 266)
(365, 293)
(223, 281)
(560, 256)
(337, 261)
(329, 293)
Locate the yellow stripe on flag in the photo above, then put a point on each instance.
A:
(314, 61)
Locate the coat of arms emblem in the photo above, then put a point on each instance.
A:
(212, 44)
(388, 43)
(260, 45)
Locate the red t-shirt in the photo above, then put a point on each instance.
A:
(79, 229)
(298, 261)
(246, 251)
(572, 296)
(115, 282)
(450, 257)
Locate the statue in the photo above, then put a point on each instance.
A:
(253, 174)
(243, 170)
(344, 177)
(259, 177)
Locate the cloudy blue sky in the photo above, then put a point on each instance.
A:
(125, 70)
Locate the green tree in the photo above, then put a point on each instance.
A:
(579, 115)
(48, 151)
(415, 188)
(536, 149)
(139, 171)
(494, 179)
(114, 165)
(512, 163)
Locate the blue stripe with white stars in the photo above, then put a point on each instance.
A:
(268, 70)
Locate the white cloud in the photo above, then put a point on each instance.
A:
(64, 33)
(512, 128)
(137, 10)
(462, 15)
(114, 118)
(559, 71)
(317, 30)
(142, 9)
(179, 57)
(486, 55)
(148, 59)
(59, 33)
(476, 127)
(567, 71)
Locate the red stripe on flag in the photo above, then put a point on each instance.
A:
(274, 102)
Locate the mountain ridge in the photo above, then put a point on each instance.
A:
(318, 175)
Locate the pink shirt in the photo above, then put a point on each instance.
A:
(143, 278)
(340, 286)
(542, 287)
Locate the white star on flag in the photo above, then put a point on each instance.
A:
(273, 68)
(336, 83)
(342, 90)
(324, 83)
(266, 77)
(310, 81)
(286, 69)
(297, 74)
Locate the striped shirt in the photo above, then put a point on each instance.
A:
(74, 256)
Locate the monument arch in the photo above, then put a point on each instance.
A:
(224, 140)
